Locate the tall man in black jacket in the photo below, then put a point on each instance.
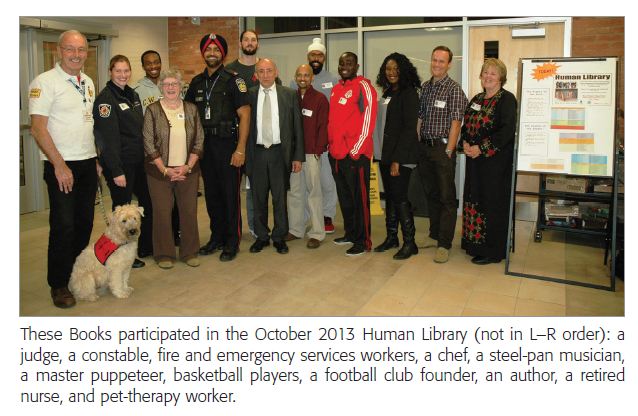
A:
(222, 99)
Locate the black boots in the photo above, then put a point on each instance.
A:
(404, 213)
(392, 226)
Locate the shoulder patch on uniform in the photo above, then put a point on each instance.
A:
(35, 93)
(348, 94)
(241, 84)
(105, 110)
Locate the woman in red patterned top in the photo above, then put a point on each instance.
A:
(487, 134)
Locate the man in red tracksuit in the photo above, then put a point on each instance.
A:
(353, 112)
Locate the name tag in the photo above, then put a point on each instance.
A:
(124, 106)
(199, 98)
(306, 112)
(476, 107)
(88, 117)
(387, 101)
(180, 116)
(326, 85)
(439, 104)
(342, 100)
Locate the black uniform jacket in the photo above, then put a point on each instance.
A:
(401, 141)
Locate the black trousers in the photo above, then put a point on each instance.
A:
(70, 218)
(222, 190)
(135, 184)
(352, 178)
(269, 175)
(396, 187)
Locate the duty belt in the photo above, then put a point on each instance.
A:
(212, 131)
(435, 142)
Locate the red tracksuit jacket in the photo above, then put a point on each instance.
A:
(352, 116)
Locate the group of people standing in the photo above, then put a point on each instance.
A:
(305, 149)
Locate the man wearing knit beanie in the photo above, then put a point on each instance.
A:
(324, 81)
(224, 108)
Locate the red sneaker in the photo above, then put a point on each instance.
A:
(330, 228)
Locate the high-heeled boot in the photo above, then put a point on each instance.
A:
(392, 228)
(404, 213)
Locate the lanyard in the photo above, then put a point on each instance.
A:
(80, 90)
(210, 92)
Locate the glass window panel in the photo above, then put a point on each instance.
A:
(417, 45)
(398, 20)
(288, 53)
(490, 18)
(340, 22)
(339, 43)
(270, 25)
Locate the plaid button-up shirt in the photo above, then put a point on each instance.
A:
(441, 103)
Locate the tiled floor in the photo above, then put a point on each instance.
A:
(324, 282)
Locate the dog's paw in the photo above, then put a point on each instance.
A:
(122, 295)
(92, 298)
(129, 290)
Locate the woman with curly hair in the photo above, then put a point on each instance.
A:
(396, 148)
(487, 135)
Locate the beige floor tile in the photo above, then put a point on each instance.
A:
(427, 308)
(574, 311)
(297, 268)
(185, 278)
(310, 288)
(492, 302)
(252, 295)
(447, 278)
(155, 292)
(284, 304)
(330, 273)
(187, 303)
(501, 285)
(325, 308)
(366, 312)
(604, 302)
(351, 296)
(242, 273)
(379, 267)
(34, 282)
(346, 262)
(548, 272)
(391, 304)
(544, 292)
(366, 280)
(530, 307)
(217, 286)
(418, 272)
(225, 307)
(275, 280)
(476, 312)
(456, 296)
(404, 287)
(30, 303)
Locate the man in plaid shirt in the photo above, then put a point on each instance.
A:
(443, 104)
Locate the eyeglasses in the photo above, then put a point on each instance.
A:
(171, 84)
(71, 49)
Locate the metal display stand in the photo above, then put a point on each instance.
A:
(612, 199)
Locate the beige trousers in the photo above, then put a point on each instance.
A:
(306, 182)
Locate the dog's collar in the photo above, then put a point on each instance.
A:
(104, 247)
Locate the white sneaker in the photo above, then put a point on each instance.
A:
(442, 255)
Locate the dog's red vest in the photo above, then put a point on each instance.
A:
(104, 247)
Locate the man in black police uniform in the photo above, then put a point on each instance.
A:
(224, 107)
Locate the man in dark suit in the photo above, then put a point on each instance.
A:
(275, 149)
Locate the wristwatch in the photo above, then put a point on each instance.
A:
(189, 169)
(448, 152)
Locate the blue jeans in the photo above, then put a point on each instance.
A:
(70, 218)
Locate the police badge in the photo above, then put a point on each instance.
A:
(105, 110)
(241, 84)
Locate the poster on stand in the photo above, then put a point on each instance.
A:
(567, 116)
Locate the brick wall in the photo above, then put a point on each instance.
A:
(184, 38)
(602, 36)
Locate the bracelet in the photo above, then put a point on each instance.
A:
(165, 171)
(238, 152)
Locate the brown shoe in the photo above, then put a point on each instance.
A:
(62, 298)
(291, 237)
(313, 243)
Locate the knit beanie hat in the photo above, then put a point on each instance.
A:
(217, 40)
(316, 45)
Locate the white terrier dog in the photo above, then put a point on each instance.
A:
(110, 259)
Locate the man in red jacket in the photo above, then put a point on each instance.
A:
(353, 112)
(314, 108)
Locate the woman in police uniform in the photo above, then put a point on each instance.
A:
(118, 134)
